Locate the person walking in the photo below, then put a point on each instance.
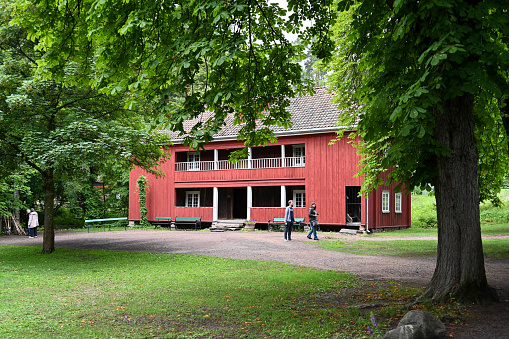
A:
(289, 219)
(313, 221)
(33, 222)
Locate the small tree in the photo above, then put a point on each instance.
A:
(142, 187)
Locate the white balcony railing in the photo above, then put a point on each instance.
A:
(241, 164)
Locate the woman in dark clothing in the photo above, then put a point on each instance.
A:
(313, 221)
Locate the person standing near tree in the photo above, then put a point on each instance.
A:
(313, 221)
(33, 223)
(289, 219)
(27, 219)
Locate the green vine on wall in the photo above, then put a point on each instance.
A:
(142, 187)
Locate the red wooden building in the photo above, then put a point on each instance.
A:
(302, 165)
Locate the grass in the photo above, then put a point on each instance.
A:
(109, 294)
(498, 248)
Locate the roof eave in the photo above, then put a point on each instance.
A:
(278, 134)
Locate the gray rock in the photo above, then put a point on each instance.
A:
(406, 332)
(417, 325)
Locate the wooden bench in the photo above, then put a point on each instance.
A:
(105, 222)
(278, 224)
(187, 223)
(162, 222)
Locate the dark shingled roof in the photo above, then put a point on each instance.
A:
(309, 112)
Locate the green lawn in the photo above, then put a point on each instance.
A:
(108, 294)
(408, 248)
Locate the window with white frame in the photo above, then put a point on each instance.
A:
(299, 198)
(385, 202)
(193, 161)
(397, 203)
(192, 198)
(300, 155)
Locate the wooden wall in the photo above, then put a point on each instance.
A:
(328, 170)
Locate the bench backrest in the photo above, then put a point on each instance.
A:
(163, 218)
(283, 219)
(108, 219)
(187, 218)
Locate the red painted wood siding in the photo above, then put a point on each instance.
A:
(327, 172)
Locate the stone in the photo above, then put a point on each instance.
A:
(405, 332)
(348, 231)
(417, 325)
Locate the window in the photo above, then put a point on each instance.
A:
(299, 198)
(397, 203)
(299, 155)
(385, 202)
(192, 198)
(193, 160)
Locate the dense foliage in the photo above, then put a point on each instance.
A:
(426, 84)
(63, 130)
(236, 49)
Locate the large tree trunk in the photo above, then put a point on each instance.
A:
(48, 245)
(459, 272)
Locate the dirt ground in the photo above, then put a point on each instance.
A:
(488, 322)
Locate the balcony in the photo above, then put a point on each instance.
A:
(222, 165)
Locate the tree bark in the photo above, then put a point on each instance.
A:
(460, 271)
(48, 244)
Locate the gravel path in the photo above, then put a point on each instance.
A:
(271, 246)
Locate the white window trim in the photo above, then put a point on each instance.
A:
(193, 161)
(295, 197)
(386, 202)
(398, 201)
(302, 158)
(188, 193)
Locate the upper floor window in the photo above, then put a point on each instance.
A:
(299, 198)
(193, 159)
(192, 198)
(397, 203)
(385, 202)
(299, 155)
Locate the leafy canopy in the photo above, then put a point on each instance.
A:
(397, 62)
(157, 49)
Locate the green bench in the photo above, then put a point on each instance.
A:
(105, 222)
(278, 224)
(187, 223)
(162, 222)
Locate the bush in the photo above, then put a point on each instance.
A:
(64, 219)
(68, 222)
(424, 211)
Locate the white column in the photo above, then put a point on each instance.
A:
(283, 196)
(216, 158)
(249, 157)
(249, 201)
(215, 203)
(283, 156)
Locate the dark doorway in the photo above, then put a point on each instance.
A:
(353, 205)
(232, 203)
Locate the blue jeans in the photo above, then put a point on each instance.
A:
(288, 230)
(32, 232)
(314, 224)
